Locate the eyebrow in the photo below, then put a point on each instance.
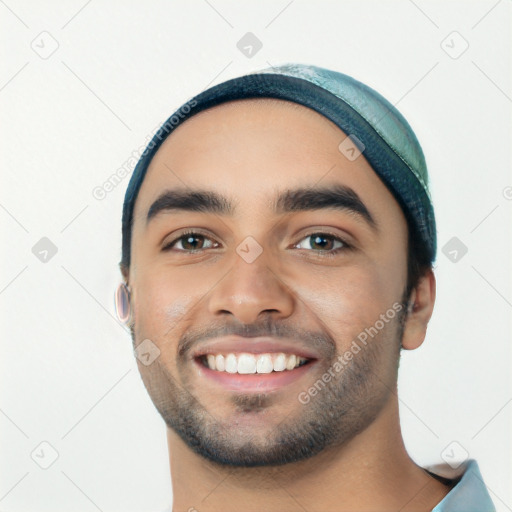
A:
(337, 197)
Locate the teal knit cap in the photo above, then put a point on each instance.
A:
(375, 127)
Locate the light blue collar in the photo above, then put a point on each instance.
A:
(469, 495)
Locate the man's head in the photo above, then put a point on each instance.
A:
(253, 234)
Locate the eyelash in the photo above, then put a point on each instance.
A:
(324, 254)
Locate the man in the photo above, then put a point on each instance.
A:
(278, 241)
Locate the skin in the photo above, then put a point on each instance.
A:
(248, 150)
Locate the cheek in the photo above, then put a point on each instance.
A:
(161, 304)
(349, 300)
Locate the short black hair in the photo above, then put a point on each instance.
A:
(418, 261)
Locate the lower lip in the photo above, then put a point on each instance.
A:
(254, 382)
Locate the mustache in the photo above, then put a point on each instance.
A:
(320, 341)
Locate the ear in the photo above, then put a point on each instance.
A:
(422, 301)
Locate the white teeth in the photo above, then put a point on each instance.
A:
(219, 363)
(290, 363)
(280, 363)
(245, 363)
(264, 364)
(231, 363)
(211, 361)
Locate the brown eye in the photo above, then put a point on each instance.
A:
(323, 242)
(324, 245)
(189, 242)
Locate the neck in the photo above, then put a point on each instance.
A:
(371, 472)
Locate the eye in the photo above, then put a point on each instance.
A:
(193, 241)
(190, 241)
(324, 243)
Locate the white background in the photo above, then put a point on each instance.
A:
(68, 375)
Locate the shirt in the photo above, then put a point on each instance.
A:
(469, 494)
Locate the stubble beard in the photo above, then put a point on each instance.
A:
(346, 406)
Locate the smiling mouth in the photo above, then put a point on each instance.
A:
(245, 363)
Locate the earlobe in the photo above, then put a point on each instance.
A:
(420, 308)
(122, 303)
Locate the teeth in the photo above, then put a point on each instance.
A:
(291, 362)
(231, 363)
(245, 363)
(220, 363)
(264, 364)
(211, 361)
(279, 363)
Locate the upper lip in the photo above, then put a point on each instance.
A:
(259, 345)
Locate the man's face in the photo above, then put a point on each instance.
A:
(240, 288)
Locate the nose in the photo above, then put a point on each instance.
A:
(251, 290)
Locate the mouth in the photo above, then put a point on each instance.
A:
(249, 364)
(252, 373)
(259, 364)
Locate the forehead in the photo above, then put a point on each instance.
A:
(250, 149)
